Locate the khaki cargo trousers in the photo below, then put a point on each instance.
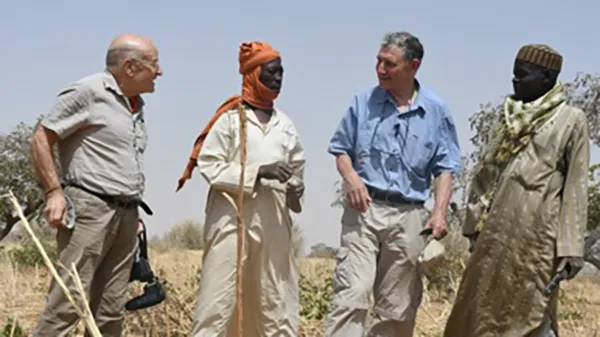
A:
(101, 245)
(378, 254)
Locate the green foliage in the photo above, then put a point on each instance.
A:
(28, 254)
(18, 175)
(12, 329)
(593, 198)
(584, 93)
(315, 296)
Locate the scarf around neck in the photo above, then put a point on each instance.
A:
(517, 124)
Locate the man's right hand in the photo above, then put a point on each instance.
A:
(278, 171)
(356, 193)
(56, 205)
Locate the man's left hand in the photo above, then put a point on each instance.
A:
(293, 194)
(437, 222)
(572, 265)
(295, 190)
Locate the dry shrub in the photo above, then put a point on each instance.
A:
(24, 292)
(186, 235)
(12, 329)
(444, 279)
(173, 317)
(190, 235)
(315, 294)
(26, 253)
(20, 248)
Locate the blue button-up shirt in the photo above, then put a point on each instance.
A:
(398, 151)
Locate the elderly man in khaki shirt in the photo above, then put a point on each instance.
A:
(98, 124)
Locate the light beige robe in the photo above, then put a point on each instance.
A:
(271, 298)
(539, 214)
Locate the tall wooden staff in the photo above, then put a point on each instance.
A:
(241, 228)
(238, 205)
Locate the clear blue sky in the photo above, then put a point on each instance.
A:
(328, 49)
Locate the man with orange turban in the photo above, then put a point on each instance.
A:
(273, 187)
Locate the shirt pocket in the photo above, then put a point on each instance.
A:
(385, 150)
(363, 142)
(419, 150)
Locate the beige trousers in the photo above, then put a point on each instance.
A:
(270, 293)
(101, 245)
(378, 254)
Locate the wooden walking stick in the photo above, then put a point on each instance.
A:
(241, 228)
(238, 205)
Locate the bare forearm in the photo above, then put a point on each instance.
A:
(443, 193)
(344, 166)
(41, 151)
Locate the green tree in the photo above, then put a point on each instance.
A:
(18, 175)
(322, 250)
(593, 198)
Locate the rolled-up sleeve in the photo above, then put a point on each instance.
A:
(71, 111)
(573, 210)
(215, 161)
(343, 139)
(447, 157)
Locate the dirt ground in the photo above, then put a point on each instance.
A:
(23, 291)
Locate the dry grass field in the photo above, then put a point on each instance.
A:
(23, 288)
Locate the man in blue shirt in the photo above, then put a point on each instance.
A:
(392, 140)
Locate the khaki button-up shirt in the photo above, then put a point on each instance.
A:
(102, 142)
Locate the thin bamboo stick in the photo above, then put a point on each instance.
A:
(88, 319)
(13, 327)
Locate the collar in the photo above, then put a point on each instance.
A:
(110, 83)
(383, 95)
(275, 119)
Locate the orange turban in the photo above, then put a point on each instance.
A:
(252, 56)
